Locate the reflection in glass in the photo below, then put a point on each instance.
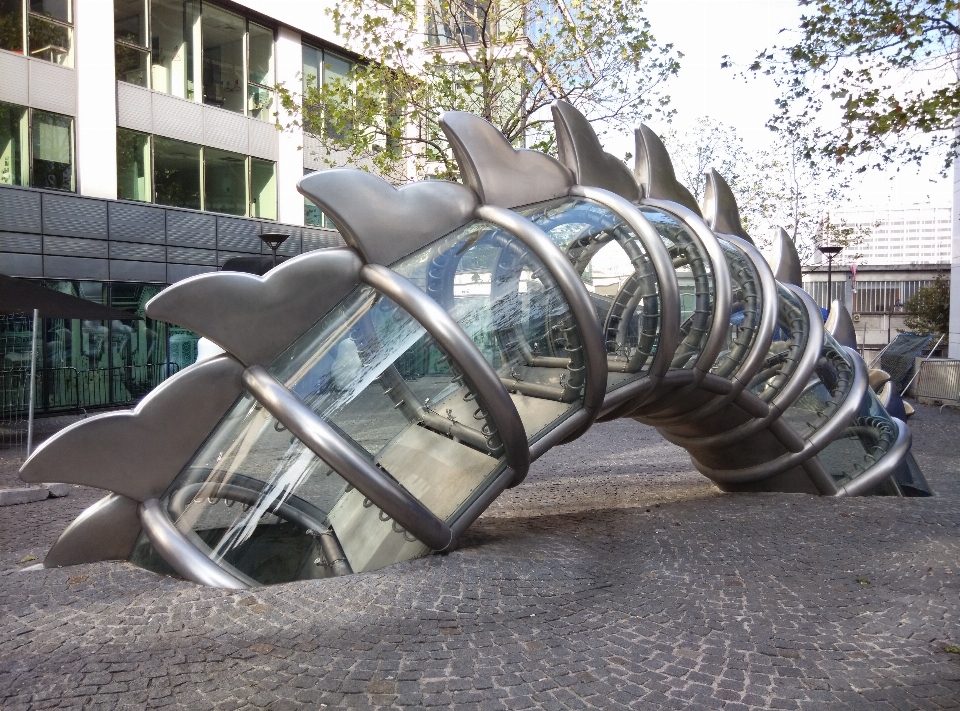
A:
(335, 70)
(260, 104)
(130, 22)
(224, 84)
(224, 182)
(11, 25)
(864, 442)
(312, 67)
(133, 166)
(50, 41)
(14, 168)
(132, 65)
(52, 151)
(57, 9)
(174, 25)
(263, 189)
(261, 55)
(176, 173)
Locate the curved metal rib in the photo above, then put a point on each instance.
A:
(180, 553)
(573, 290)
(883, 468)
(455, 342)
(323, 441)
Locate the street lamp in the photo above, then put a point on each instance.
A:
(273, 240)
(830, 253)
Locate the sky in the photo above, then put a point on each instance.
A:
(706, 30)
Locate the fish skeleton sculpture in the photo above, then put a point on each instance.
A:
(373, 400)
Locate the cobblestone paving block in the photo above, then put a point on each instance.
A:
(614, 577)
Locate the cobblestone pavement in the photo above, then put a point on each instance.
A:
(613, 577)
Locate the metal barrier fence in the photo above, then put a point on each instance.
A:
(939, 381)
(65, 390)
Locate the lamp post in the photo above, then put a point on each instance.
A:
(273, 240)
(830, 253)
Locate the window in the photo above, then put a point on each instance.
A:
(157, 43)
(263, 189)
(47, 33)
(133, 166)
(323, 67)
(224, 182)
(180, 174)
(176, 173)
(14, 165)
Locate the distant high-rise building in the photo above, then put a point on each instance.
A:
(914, 234)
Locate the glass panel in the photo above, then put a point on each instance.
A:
(50, 41)
(133, 66)
(52, 151)
(57, 9)
(224, 182)
(618, 274)
(746, 311)
(14, 168)
(828, 388)
(263, 189)
(11, 25)
(260, 103)
(695, 275)
(173, 25)
(261, 55)
(130, 21)
(335, 69)
(786, 347)
(133, 166)
(176, 173)
(224, 84)
(867, 439)
(507, 302)
(312, 67)
(312, 215)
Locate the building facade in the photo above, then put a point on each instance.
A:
(139, 146)
(914, 234)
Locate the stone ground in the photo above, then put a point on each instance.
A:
(613, 577)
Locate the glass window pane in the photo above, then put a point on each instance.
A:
(13, 143)
(335, 67)
(130, 21)
(132, 65)
(263, 189)
(224, 182)
(223, 82)
(50, 41)
(176, 173)
(260, 103)
(311, 67)
(57, 9)
(52, 151)
(11, 25)
(261, 55)
(173, 25)
(133, 166)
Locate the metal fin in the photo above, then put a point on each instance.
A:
(257, 318)
(720, 207)
(105, 531)
(385, 223)
(654, 171)
(501, 174)
(784, 260)
(137, 453)
(840, 325)
(878, 378)
(581, 152)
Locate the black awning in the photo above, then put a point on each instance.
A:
(20, 296)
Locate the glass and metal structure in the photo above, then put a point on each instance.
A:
(370, 402)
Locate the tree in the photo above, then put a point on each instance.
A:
(774, 186)
(929, 308)
(504, 60)
(889, 66)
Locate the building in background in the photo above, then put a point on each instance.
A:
(914, 234)
(138, 147)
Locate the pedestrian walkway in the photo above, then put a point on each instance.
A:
(613, 577)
